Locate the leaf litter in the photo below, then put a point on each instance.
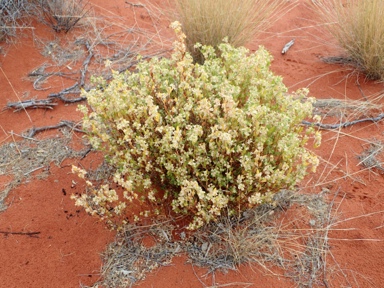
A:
(22, 158)
(265, 235)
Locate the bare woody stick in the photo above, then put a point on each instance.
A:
(31, 234)
(343, 124)
(44, 104)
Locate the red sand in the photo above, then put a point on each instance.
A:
(66, 252)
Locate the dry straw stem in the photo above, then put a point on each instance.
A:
(331, 173)
(359, 28)
(209, 21)
(14, 91)
(351, 109)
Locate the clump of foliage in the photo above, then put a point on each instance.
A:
(217, 138)
(209, 21)
(359, 28)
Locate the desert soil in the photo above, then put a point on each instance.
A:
(65, 250)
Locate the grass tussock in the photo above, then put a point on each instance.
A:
(209, 21)
(359, 28)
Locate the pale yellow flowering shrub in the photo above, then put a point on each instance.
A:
(219, 137)
(102, 202)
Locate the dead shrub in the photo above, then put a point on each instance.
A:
(11, 12)
(61, 15)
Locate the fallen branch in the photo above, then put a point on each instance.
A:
(86, 63)
(42, 76)
(75, 88)
(338, 60)
(61, 96)
(135, 4)
(31, 234)
(344, 124)
(43, 104)
(86, 152)
(33, 131)
(69, 90)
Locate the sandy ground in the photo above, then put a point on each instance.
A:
(65, 250)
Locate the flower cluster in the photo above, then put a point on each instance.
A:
(218, 137)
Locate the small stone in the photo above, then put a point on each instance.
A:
(312, 222)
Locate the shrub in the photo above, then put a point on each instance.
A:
(209, 21)
(217, 138)
(359, 28)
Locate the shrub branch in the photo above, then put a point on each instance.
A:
(344, 124)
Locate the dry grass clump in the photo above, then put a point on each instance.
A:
(209, 21)
(61, 15)
(11, 12)
(359, 28)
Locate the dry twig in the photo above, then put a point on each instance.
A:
(40, 76)
(64, 123)
(75, 88)
(135, 4)
(43, 104)
(30, 234)
(344, 124)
